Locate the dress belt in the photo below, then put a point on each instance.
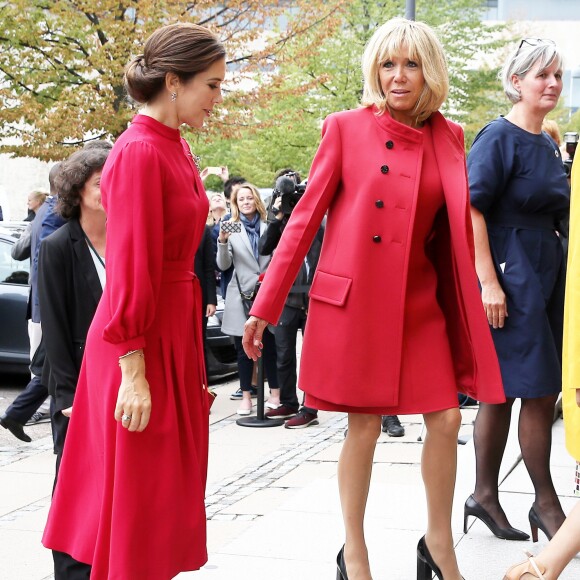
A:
(526, 221)
(180, 271)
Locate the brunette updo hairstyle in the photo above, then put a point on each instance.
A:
(183, 49)
(74, 173)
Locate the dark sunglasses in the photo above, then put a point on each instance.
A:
(535, 42)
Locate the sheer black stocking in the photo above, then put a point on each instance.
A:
(490, 437)
(535, 435)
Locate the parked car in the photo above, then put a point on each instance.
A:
(14, 291)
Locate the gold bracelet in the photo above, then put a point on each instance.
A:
(140, 352)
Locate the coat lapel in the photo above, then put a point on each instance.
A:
(451, 162)
(85, 260)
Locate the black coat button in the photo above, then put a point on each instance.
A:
(384, 169)
(380, 203)
(389, 144)
(377, 239)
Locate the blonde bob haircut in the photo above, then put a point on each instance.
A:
(423, 46)
(260, 208)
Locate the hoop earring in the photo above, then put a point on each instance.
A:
(173, 97)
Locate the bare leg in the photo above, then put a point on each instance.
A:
(535, 434)
(439, 469)
(490, 437)
(354, 476)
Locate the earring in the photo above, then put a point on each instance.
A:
(173, 97)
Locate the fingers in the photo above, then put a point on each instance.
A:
(252, 339)
(496, 315)
(134, 414)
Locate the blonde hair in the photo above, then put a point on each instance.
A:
(423, 46)
(551, 127)
(260, 208)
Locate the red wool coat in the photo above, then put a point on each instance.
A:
(366, 176)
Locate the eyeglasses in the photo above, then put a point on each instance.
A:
(535, 42)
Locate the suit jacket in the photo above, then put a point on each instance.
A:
(238, 252)
(69, 292)
(204, 268)
(366, 175)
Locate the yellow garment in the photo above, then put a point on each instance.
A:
(571, 354)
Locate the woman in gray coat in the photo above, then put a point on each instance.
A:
(241, 250)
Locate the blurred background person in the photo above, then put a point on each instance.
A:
(519, 195)
(293, 318)
(35, 200)
(240, 250)
(71, 276)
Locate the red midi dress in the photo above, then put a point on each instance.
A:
(132, 504)
(422, 389)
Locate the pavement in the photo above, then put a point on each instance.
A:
(273, 508)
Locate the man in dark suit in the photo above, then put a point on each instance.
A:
(36, 392)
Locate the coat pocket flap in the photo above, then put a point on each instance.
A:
(330, 288)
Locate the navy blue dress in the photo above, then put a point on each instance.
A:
(517, 181)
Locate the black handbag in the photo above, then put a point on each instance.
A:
(247, 299)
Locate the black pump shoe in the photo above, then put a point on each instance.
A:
(341, 566)
(535, 523)
(426, 567)
(475, 509)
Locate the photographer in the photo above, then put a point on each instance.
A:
(287, 192)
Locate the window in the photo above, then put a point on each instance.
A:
(12, 271)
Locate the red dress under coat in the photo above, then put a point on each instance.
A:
(132, 504)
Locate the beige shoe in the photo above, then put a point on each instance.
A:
(527, 570)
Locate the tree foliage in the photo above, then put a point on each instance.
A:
(62, 61)
(330, 79)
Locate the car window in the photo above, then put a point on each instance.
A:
(12, 271)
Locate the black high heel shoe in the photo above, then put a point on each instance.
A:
(535, 523)
(475, 509)
(341, 566)
(426, 567)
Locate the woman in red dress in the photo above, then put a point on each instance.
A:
(129, 501)
(395, 298)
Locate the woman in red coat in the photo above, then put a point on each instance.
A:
(129, 501)
(391, 176)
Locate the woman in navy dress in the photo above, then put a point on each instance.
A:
(519, 194)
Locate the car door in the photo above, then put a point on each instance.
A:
(14, 290)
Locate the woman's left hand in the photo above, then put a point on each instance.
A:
(252, 339)
(133, 407)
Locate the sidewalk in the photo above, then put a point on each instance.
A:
(273, 508)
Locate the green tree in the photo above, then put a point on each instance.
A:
(61, 62)
(330, 79)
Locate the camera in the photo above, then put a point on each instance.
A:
(570, 140)
(290, 191)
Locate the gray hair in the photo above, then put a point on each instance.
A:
(530, 52)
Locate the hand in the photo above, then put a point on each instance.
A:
(252, 339)
(223, 236)
(224, 174)
(578, 397)
(204, 173)
(134, 398)
(210, 310)
(276, 208)
(67, 412)
(494, 304)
